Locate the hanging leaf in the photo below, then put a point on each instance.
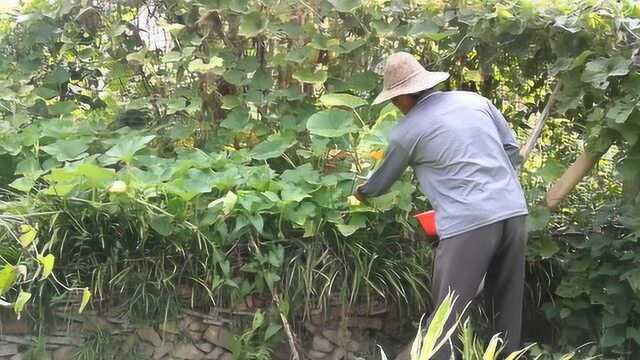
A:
(346, 5)
(24, 184)
(424, 27)
(599, 70)
(86, 296)
(237, 120)
(8, 276)
(214, 66)
(633, 278)
(331, 123)
(258, 320)
(271, 331)
(162, 224)
(21, 301)
(384, 27)
(47, 263)
(621, 110)
(310, 76)
(27, 235)
(346, 100)
(252, 24)
(572, 286)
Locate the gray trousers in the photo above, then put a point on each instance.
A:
(460, 264)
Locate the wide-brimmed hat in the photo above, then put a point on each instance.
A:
(404, 75)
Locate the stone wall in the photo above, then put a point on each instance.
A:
(191, 336)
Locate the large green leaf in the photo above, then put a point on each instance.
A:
(47, 263)
(273, 147)
(621, 110)
(429, 29)
(237, 120)
(345, 100)
(125, 148)
(331, 123)
(162, 224)
(66, 150)
(573, 286)
(63, 107)
(24, 184)
(21, 301)
(94, 175)
(8, 276)
(599, 70)
(187, 187)
(86, 297)
(27, 235)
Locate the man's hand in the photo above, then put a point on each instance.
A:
(359, 195)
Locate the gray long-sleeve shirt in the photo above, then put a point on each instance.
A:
(465, 158)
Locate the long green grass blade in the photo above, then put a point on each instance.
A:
(436, 327)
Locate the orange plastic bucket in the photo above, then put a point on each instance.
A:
(428, 221)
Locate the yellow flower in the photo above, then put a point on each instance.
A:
(377, 155)
(118, 186)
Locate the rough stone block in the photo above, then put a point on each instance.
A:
(162, 350)
(226, 356)
(317, 355)
(322, 344)
(21, 340)
(149, 335)
(338, 337)
(196, 325)
(216, 335)
(196, 336)
(14, 327)
(170, 327)
(338, 354)
(184, 323)
(187, 351)
(352, 346)
(64, 353)
(204, 347)
(145, 349)
(8, 349)
(215, 354)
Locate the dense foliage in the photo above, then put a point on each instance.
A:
(209, 146)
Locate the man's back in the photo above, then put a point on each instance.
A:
(457, 144)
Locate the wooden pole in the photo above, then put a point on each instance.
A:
(571, 177)
(537, 130)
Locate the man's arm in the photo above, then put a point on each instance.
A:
(506, 136)
(394, 164)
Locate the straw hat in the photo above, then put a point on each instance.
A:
(404, 75)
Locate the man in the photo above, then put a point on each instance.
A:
(466, 159)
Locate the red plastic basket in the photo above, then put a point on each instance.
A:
(428, 221)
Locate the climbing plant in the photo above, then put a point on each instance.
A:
(148, 147)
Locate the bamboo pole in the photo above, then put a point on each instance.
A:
(537, 130)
